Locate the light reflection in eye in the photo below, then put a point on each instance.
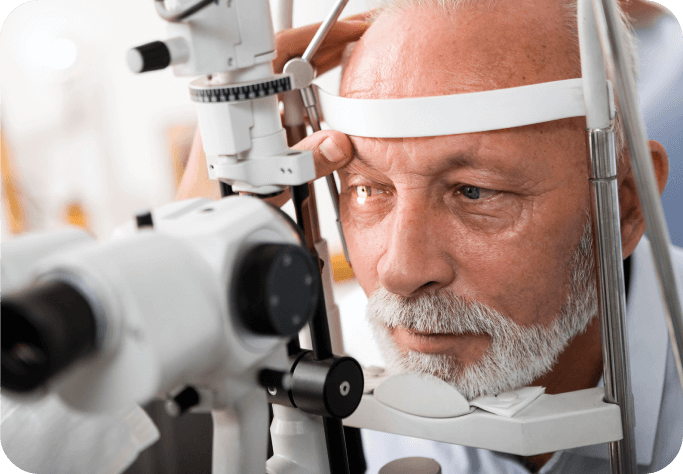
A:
(364, 192)
(471, 192)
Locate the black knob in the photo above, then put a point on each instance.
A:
(181, 403)
(149, 57)
(45, 329)
(144, 220)
(277, 288)
(331, 387)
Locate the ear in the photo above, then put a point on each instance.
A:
(632, 217)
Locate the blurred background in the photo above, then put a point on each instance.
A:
(86, 142)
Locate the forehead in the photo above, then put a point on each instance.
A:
(544, 152)
(428, 51)
(423, 51)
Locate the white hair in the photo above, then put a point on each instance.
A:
(518, 354)
(625, 33)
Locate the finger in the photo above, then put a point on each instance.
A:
(331, 150)
(328, 60)
(293, 42)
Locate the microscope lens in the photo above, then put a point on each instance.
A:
(45, 328)
(277, 289)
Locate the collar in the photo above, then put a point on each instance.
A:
(648, 344)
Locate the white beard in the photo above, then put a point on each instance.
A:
(517, 355)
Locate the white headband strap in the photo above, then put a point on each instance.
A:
(454, 114)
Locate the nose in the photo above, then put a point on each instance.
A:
(415, 259)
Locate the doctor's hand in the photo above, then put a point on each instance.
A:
(331, 150)
(293, 42)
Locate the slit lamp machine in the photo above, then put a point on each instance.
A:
(81, 320)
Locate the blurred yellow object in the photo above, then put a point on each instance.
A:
(180, 138)
(74, 213)
(341, 270)
(11, 193)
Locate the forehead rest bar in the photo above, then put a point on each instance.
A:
(455, 114)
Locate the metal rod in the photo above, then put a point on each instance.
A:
(283, 12)
(643, 170)
(611, 292)
(334, 194)
(320, 330)
(322, 346)
(319, 326)
(310, 104)
(323, 31)
(336, 446)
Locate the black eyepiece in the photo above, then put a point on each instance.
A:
(277, 289)
(45, 328)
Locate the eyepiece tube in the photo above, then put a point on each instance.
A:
(45, 328)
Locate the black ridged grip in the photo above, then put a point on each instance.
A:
(277, 289)
(154, 56)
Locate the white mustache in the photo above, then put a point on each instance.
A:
(435, 313)
(518, 354)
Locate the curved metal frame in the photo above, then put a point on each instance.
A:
(617, 379)
(643, 170)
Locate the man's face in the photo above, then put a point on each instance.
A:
(493, 217)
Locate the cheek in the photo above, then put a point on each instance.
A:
(525, 273)
(365, 245)
(503, 214)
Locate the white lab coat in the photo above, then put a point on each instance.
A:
(45, 436)
(658, 399)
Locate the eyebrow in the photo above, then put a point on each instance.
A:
(458, 160)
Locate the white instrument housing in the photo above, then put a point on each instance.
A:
(225, 36)
(162, 296)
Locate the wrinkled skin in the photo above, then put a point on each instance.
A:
(492, 216)
(420, 230)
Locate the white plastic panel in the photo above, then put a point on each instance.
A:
(551, 423)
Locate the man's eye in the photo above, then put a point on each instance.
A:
(363, 193)
(475, 193)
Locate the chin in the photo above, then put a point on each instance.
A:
(503, 365)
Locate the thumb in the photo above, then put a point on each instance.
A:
(331, 150)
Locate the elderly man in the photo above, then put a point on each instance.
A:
(475, 250)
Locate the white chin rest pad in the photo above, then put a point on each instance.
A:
(421, 395)
(509, 403)
(454, 114)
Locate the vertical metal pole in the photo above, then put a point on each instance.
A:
(310, 104)
(600, 141)
(611, 293)
(322, 347)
